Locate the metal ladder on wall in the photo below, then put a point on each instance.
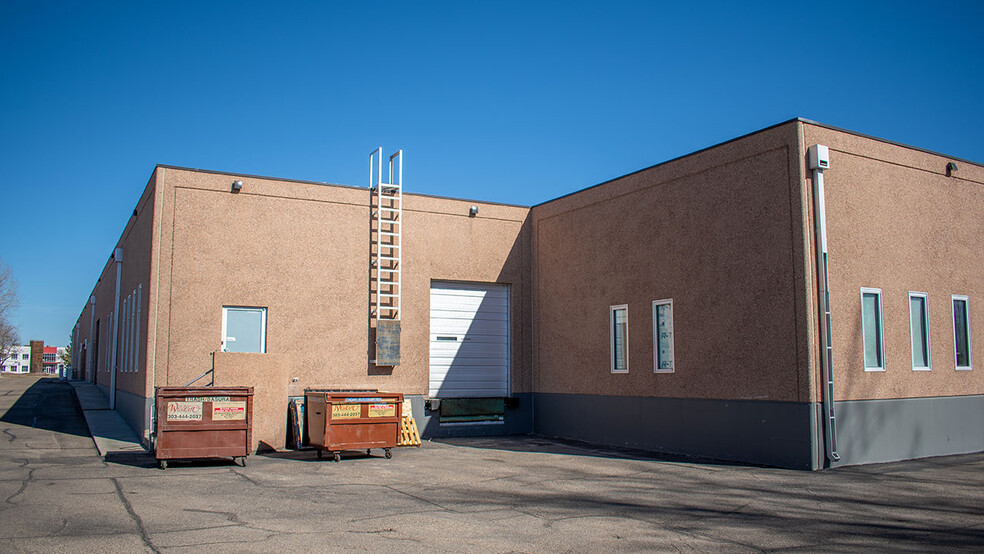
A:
(386, 237)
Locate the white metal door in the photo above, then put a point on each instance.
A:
(469, 340)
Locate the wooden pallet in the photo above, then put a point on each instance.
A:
(409, 436)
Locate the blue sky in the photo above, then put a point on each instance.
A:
(515, 102)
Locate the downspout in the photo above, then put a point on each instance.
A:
(89, 370)
(118, 258)
(820, 160)
(155, 275)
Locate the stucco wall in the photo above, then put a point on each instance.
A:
(720, 232)
(135, 279)
(897, 222)
(136, 241)
(301, 250)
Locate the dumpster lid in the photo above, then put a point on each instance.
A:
(204, 391)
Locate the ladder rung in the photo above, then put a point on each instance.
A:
(387, 295)
(389, 270)
(388, 234)
(391, 258)
(389, 209)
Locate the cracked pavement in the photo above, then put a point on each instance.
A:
(518, 494)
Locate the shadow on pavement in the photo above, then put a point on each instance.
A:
(311, 455)
(48, 404)
(132, 459)
(566, 447)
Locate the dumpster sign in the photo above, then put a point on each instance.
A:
(184, 411)
(346, 411)
(382, 410)
(207, 399)
(228, 411)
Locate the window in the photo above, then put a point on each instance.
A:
(109, 331)
(919, 329)
(871, 329)
(136, 332)
(243, 329)
(620, 338)
(125, 335)
(663, 336)
(24, 356)
(961, 331)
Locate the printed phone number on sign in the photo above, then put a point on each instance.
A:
(184, 411)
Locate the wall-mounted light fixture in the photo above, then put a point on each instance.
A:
(473, 211)
(237, 185)
(951, 168)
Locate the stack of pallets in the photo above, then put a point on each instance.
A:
(409, 435)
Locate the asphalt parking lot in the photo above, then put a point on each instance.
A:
(519, 494)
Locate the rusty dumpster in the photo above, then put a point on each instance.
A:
(203, 422)
(340, 420)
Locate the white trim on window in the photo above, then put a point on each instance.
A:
(612, 327)
(664, 360)
(263, 327)
(124, 334)
(108, 356)
(921, 333)
(879, 331)
(970, 350)
(136, 346)
(131, 359)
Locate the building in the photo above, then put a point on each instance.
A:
(681, 308)
(19, 360)
(35, 358)
(52, 363)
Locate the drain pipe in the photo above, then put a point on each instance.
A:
(820, 160)
(118, 258)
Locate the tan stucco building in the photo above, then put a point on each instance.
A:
(678, 308)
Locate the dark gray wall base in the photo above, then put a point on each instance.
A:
(870, 431)
(133, 408)
(756, 432)
(517, 421)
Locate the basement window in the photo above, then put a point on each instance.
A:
(243, 329)
(871, 329)
(961, 331)
(663, 336)
(620, 338)
(919, 330)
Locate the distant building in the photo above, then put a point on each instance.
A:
(51, 363)
(35, 358)
(19, 360)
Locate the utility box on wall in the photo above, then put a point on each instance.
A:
(388, 342)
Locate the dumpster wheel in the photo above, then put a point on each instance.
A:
(162, 464)
(388, 454)
(338, 457)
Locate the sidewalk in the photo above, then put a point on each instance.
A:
(109, 431)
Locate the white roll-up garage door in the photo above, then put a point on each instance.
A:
(469, 340)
